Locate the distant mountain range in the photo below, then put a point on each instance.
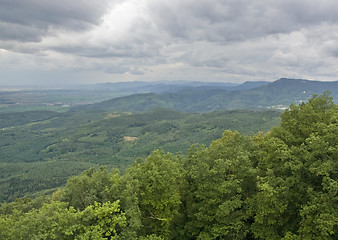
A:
(196, 97)
(170, 86)
(43, 97)
(176, 95)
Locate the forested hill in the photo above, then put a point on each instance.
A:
(278, 94)
(282, 185)
(39, 150)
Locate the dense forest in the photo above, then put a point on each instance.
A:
(279, 185)
(40, 150)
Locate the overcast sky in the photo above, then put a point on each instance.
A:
(89, 41)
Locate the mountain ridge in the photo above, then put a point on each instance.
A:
(262, 95)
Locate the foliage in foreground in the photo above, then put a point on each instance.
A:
(279, 186)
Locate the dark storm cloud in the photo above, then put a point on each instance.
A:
(236, 20)
(29, 20)
(169, 21)
(11, 31)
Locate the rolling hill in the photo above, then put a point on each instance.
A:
(278, 94)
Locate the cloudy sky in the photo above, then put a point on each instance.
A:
(89, 41)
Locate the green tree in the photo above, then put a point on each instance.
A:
(129, 196)
(89, 187)
(297, 183)
(159, 179)
(56, 221)
(221, 180)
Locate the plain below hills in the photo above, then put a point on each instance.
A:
(62, 98)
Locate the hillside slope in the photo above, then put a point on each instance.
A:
(278, 94)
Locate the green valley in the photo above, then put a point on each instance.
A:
(42, 154)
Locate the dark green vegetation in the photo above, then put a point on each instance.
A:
(50, 147)
(282, 185)
(21, 118)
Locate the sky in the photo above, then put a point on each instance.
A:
(50, 42)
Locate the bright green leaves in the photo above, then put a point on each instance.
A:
(56, 221)
(103, 220)
(160, 177)
(299, 122)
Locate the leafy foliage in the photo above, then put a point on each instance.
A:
(299, 174)
(221, 179)
(55, 221)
